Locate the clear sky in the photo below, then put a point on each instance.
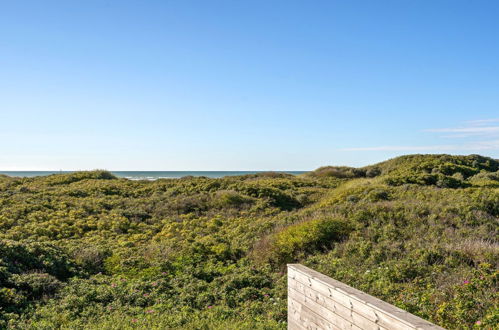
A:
(244, 85)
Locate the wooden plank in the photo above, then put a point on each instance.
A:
(351, 303)
(294, 315)
(307, 318)
(336, 320)
(292, 325)
(329, 303)
(369, 307)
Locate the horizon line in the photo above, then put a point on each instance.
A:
(100, 169)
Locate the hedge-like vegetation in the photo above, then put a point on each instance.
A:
(89, 250)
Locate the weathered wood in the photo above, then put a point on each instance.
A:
(344, 312)
(323, 313)
(346, 305)
(307, 317)
(292, 325)
(342, 306)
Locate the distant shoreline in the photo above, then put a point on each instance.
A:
(149, 175)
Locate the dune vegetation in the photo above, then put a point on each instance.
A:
(90, 251)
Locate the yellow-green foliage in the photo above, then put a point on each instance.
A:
(295, 241)
(91, 251)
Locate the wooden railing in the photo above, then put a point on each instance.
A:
(316, 301)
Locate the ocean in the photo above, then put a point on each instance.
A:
(149, 175)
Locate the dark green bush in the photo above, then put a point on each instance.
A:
(78, 176)
(30, 271)
(376, 195)
(340, 172)
(91, 258)
(35, 285)
(231, 198)
(276, 197)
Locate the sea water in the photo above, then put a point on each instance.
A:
(150, 175)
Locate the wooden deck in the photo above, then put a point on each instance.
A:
(316, 301)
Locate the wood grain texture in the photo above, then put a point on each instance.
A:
(316, 301)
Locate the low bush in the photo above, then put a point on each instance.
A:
(295, 241)
(232, 199)
(90, 251)
(340, 172)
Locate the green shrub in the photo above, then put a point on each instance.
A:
(376, 195)
(91, 258)
(297, 240)
(372, 172)
(444, 181)
(340, 172)
(231, 198)
(78, 176)
(276, 197)
(30, 271)
(190, 204)
(35, 285)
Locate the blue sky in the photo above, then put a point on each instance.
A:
(244, 85)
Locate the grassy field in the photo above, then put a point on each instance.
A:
(88, 250)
